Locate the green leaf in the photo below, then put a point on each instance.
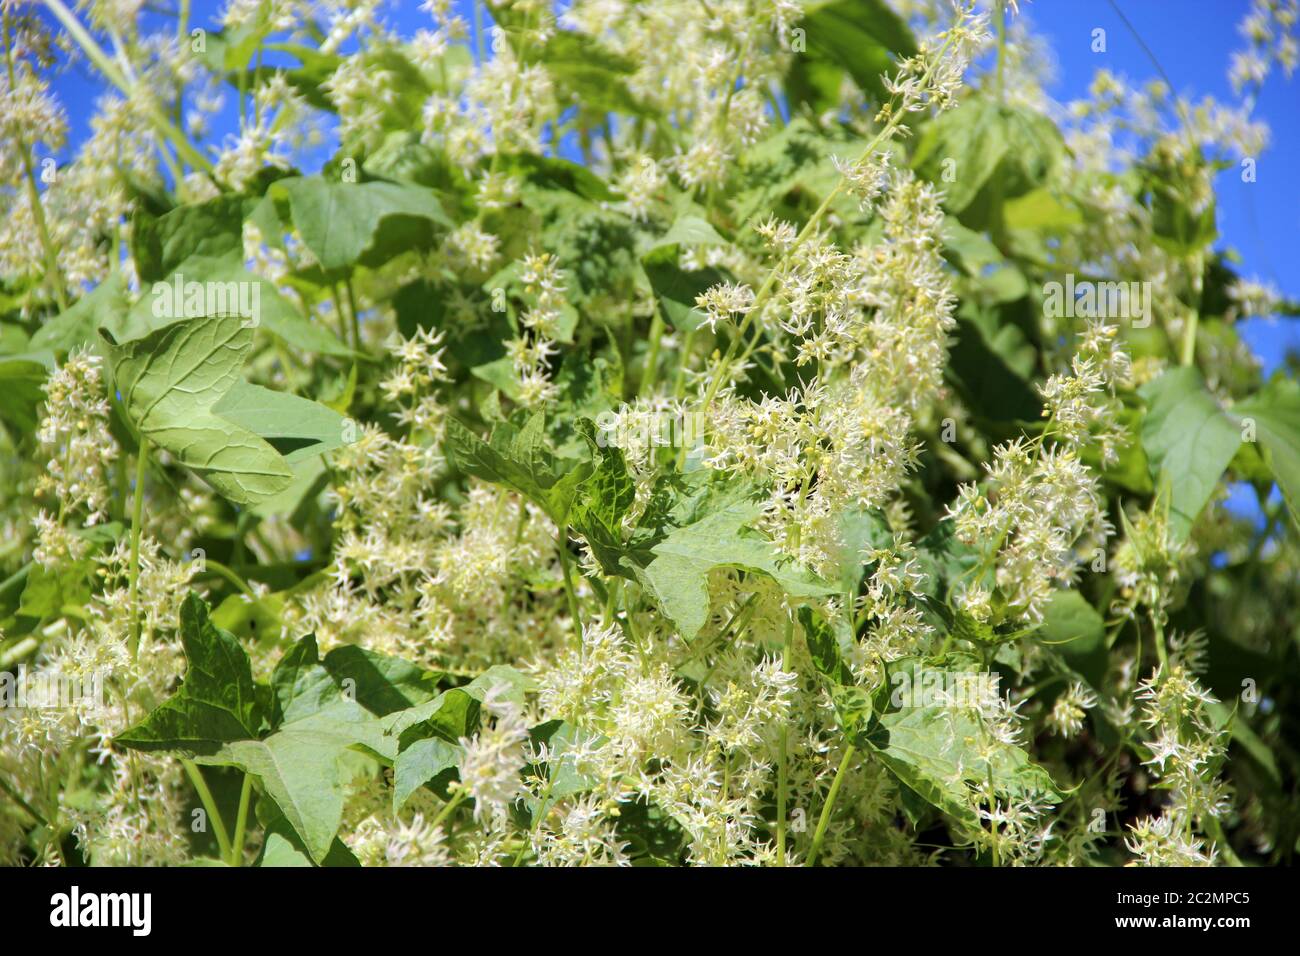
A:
(1074, 628)
(828, 646)
(1040, 210)
(303, 684)
(511, 686)
(854, 712)
(563, 779)
(518, 457)
(211, 229)
(381, 683)
(315, 720)
(21, 394)
(937, 751)
(349, 224)
(553, 173)
(281, 847)
(689, 230)
(1275, 411)
(985, 380)
(449, 716)
(860, 530)
(227, 50)
(855, 36)
(1189, 441)
(216, 703)
(791, 171)
(454, 713)
(50, 589)
(983, 141)
(601, 501)
(300, 685)
(299, 767)
(588, 75)
(430, 761)
(295, 427)
(675, 288)
(944, 560)
(678, 575)
(171, 379)
(76, 326)
(404, 159)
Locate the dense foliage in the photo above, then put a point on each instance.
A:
(826, 469)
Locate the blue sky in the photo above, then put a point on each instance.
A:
(1192, 41)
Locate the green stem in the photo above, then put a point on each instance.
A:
(241, 822)
(1002, 45)
(650, 374)
(52, 274)
(230, 575)
(1189, 339)
(478, 33)
(340, 312)
(452, 804)
(95, 53)
(569, 591)
(679, 383)
(137, 521)
(19, 650)
(994, 835)
(209, 805)
(1188, 356)
(356, 318)
(1215, 830)
(824, 821)
(1159, 631)
(17, 798)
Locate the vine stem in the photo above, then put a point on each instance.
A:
(1002, 45)
(780, 757)
(230, 575)
(479, 46)
(15, 796)
(209, 805)
(241, 822)
(1215, 829)
(569, 591)
(652, 357)
(824, 821)
(356, 319)
(1159, 632)
(452, 804)
(1188, 354)
(52, 274)
(137, 521)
